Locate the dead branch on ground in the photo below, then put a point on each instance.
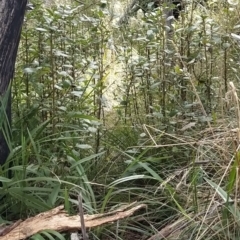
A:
(58, 220)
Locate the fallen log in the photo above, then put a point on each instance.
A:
(58, 220)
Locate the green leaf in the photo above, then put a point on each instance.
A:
(83, 146)
(54, 195)
(56, 234)
(48, 235)
(94, 156)
(127, 179)
(66, 200)
(37, 237)
(223, 194)
(3, 179)
(41, 29)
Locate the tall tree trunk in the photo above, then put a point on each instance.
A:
(11, 20)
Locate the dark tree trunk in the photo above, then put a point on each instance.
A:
(11, 20)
